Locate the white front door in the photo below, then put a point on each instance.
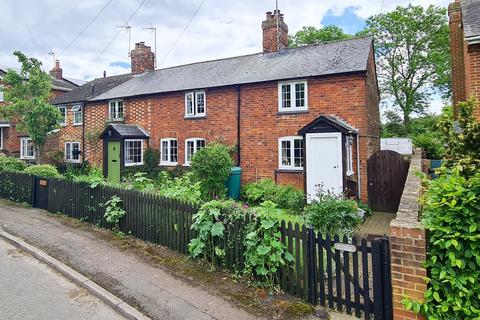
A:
(324, 163)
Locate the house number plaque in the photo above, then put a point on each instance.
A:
(345, 247)
(43, 182)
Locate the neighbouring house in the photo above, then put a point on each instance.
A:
(307, 116)
(17, 143)
(464, 19)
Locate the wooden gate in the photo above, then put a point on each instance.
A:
(387, 171)
(40, 198)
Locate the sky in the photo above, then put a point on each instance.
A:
(220, 28)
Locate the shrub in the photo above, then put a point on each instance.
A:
(333, 214)
(286, 197)
(184, 188)
(432, 143)
(94, 177)
(151, 158)
(43, 170)
(451, 216)
(114, 212)
(11, 164)
(211, 165)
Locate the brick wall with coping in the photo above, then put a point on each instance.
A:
(408, 245)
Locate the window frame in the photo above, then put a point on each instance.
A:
(131, 164)
(64, 122)
(79, 109)
(292, 166)
(195, 113)
(2, 96)
(293, 96)
(23, 149)
(195, 148)
(349, 155)
(1, 138)
(69, 155)
(169, 154)
(116, 110)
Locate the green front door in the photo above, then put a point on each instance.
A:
(114, 161)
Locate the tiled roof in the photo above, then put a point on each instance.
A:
(336, 57)
(471, 18)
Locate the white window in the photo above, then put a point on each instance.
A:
(133, 152)
(349, 155)
(27, 150)
(63, 112)
(1, 93)
(290, 153)
(292, 96)
(116, 110)
(192, 146)
(72, 151)
(1, 138)
(168, 151)
(77, 115)
(195, 104)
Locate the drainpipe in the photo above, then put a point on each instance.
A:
(359, 179)
(83, 131)
(238, 125)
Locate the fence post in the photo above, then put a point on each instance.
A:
(377, 280)
(312, 272)
(386, 278)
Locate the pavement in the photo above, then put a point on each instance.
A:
(150, 289)
(376, 225)
(32, 290)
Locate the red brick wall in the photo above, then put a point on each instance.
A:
(457, 53)
(474, 73)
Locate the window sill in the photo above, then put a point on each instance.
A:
(116, 120)
(195, 117)
(284, 170)
(350, 173)
(133, 164)
(292, 112)
(168, 164)
(77, 124)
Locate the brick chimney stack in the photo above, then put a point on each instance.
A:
(459, 90)
(273, 41)
(143, 59)
(57, 72)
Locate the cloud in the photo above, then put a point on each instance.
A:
(221, 28)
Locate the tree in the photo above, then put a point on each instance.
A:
(312, 35)
(27, 94)
(413, 56)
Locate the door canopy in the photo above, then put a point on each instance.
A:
(328, 123)
(123, 131)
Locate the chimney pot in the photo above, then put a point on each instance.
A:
(104, 73)
(57, 72)
(273, 40)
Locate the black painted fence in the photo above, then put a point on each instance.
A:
(348, 275)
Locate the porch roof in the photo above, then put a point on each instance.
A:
(328, 123)
(123, 131)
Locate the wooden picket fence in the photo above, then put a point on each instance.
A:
(343, 274)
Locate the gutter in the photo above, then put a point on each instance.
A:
(239, 102)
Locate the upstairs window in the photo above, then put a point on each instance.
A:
(195, 104)
(290, 153)
(169, 151)
(192, 146)
(292, 96)
(27, 150)
(133, 152)
(116, 110)
(77, 115)
(72, 151)
(63, 112)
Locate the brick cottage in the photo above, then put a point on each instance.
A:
(17, 143)
(464, 17)
(306, 116)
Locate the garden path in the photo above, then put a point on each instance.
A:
(376, 225)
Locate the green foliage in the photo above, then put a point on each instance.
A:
(43, 170)
(265, 253)
(11, 164)
(185, 188)
(451, 216)
(412, 56)
(210, 226)
(151, 158)
(312, 35)
(431, 142)
(286, 197)
(211, 166)
(462, 138)
(28, 101)
(94, 177)
(141, 182)
(114, 212)
(333, 214)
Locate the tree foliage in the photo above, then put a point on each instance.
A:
(27, 94)
(312, 35)
(412, 55)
